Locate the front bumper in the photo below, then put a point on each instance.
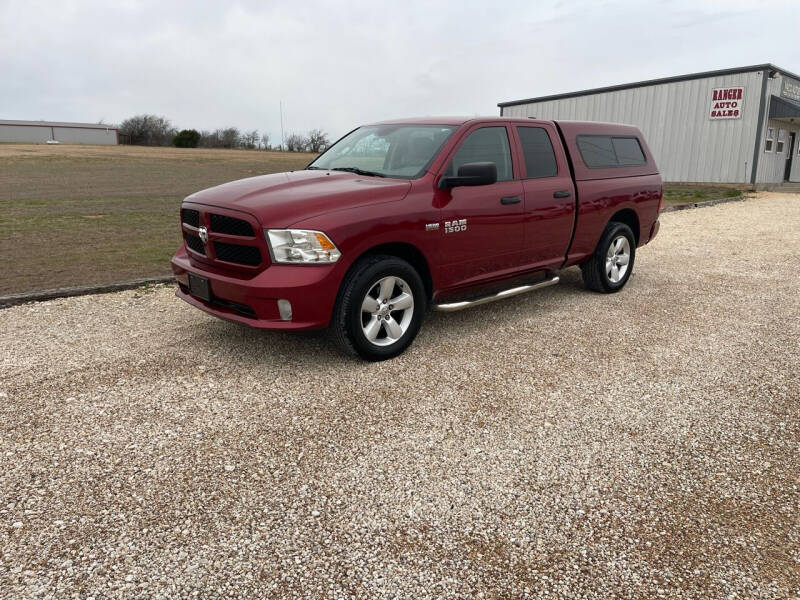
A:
(310, 289)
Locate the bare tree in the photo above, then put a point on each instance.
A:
(250, 139)
(265, 141)
(206, 139)
(148, 130)
(317, 140)
(295, 142)
(229, 138)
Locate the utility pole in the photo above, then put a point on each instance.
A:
(281, 105)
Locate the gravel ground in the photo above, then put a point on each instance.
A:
(561, 444)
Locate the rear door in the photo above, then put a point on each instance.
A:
(549, 194)
(482, 225)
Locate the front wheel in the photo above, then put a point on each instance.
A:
(611, 264)
(379, 309)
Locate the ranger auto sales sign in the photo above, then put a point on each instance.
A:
(726, 103)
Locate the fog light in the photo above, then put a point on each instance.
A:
(285, 308)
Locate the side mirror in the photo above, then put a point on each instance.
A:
(477, 173)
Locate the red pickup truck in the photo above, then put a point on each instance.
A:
(400, 216)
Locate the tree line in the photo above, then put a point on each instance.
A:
(153, 130)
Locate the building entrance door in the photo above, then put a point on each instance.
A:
(789, 157)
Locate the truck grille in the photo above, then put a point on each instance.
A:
(195, 243)
(231, 226)
(242, 255)
(190, 217)
(232, 239)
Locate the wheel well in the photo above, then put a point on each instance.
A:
(630, 219)
(409, 254)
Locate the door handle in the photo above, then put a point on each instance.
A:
(510, 200)
(562, 194)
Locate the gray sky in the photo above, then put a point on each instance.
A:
(335, 65)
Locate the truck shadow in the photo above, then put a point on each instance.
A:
(503, 313)
(246, 345)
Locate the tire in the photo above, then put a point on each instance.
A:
(374, 328)
(616, 245)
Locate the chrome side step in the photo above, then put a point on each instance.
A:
(515, 291)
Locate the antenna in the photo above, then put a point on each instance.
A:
(281, 105)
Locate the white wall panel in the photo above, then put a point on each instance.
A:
(772, 165)
(38, 134)
(24, 134)
(74, 135)
(674, 117)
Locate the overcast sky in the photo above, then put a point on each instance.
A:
(334, 65)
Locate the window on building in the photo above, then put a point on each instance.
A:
(604, 151)
(770, 139)
(488, 144)
(540, 160)
(781, 141)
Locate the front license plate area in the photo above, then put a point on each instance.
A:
(198, 286)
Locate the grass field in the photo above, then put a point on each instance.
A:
(679, 194)
(81, 215)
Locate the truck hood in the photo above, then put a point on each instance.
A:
(282, 199)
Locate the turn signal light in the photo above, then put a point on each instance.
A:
(324, 242)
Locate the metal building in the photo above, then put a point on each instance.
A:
(737, 125)
(66, 133)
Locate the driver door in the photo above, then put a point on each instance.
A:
(482, 226)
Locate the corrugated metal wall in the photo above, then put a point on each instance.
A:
(24, 134)
(674, 117)
(772, 165)
(72, 135)
(38, 134)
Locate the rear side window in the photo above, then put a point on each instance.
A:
(488, 144)
(540, 160)
(606, 151)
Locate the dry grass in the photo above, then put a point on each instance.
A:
(80, 215)
(675, 194)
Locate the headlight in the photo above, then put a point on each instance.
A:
(301, 246)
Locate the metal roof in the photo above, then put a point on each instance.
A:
(626, 86)
(781, 108)
(58, 124)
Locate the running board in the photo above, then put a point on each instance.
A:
(515, 291)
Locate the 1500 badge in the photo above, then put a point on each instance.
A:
(455, 226)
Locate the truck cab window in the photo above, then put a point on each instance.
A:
(403, 151)
(604, 152)
(487, 144)
(628, 150)
(540, 160)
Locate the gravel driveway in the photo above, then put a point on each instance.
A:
(559, 444)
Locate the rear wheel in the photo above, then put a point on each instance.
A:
(379, 309)
(611, 264)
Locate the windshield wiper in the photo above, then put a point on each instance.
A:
(358, 171)
(310, 168)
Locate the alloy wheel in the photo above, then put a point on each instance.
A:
(618, 258)
(387, 310)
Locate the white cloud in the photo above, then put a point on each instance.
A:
(335, 65)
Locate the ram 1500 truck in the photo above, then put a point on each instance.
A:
(400, 216)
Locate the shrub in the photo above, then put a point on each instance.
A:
(186, 138)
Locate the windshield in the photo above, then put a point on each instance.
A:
(403, 151)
